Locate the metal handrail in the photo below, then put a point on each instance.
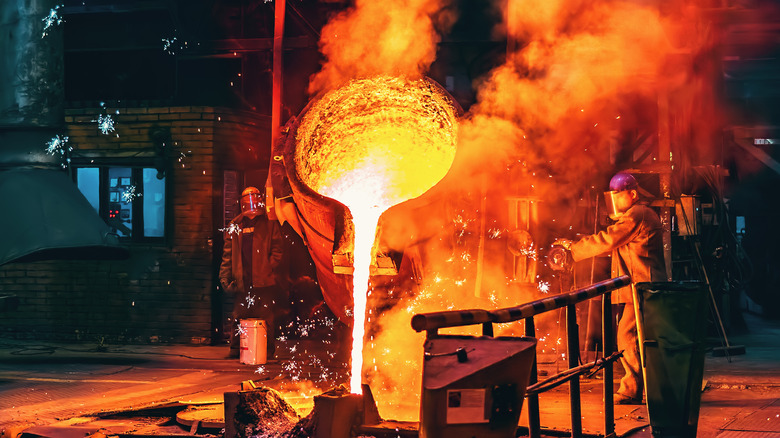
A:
(455, 318)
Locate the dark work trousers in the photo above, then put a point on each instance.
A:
(261, 303)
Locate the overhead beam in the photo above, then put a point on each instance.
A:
(207, 48)
(759, 154)
(138, 6)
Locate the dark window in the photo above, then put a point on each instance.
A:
(130, 199)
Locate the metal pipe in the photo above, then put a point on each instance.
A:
(589, 329)
(482, 231)
(565, 376)
(573, 351)
(534, 420)
(31, 68)
(454, 318)
(606, 345)
(277, 65)
(665, 174)
(487, 329)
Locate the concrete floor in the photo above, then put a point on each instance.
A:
(68, 390)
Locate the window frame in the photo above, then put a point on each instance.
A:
(137, 207)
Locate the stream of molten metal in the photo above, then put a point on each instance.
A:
(372, 144)
(363, 191)
(365, 217)
(365, 229)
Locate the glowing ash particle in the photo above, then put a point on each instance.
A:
(250, 301)
(260, 370)
(240, 331)
(51, 20)
(233, 228)
(168, 45)
(105, 123)
(58, 144)
(293, 370)
(528, 251)
(129, 194)
(543, 287)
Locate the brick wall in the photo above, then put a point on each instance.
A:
(164, 292)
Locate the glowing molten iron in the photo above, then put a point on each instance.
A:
(371, 144)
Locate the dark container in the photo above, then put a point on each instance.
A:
(674, 324)
(474, 386)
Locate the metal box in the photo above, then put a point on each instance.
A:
(474, 386)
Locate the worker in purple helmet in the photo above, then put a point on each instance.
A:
(636, 243)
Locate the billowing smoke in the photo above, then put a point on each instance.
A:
(373, 38)
(546, 123)
(570, 86)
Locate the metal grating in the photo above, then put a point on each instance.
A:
(766, 419)
(742, 434)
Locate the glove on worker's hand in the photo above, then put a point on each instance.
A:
(560, 258)
(229, 287)
(565, 243)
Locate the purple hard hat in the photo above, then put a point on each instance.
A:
(623, 181)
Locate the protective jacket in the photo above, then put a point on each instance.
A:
(636, 242)
(266, 255)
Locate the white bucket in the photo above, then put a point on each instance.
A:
(254, 341)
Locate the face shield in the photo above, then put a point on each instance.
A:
(618, 202)
(252, 202)
(619, 197)
(609, 199)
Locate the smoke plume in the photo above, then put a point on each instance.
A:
(583, 73)
(373, 38)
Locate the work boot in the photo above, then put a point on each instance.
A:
(621, 399)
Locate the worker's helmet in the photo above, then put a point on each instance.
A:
(619, 197)
(623, 181)
(252, 202)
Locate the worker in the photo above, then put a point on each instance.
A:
(252, 251)
(636, 243)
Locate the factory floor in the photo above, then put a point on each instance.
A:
(76, 390)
